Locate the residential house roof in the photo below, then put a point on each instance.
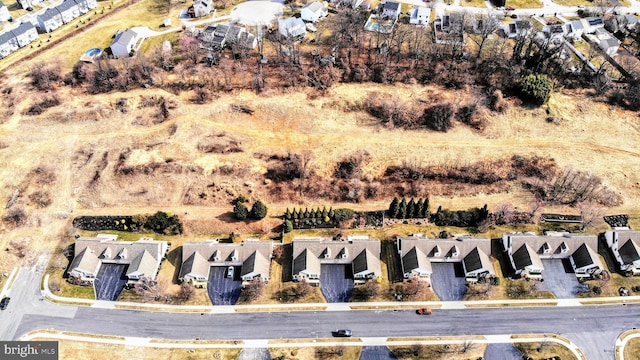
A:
(585, 256)
(49, 14)
(23, 28)
(196, 265)
(553, 243)
(415, 259)
(366, 261)
(526, 256)
(391, 6)
(476, 260)
(292, 27)
(420, 11)
(441, 249)
(143, 265)
(629, 251)
(225, 254)
(306, 261)
(315, 6)
(6, 37)
(85, 260)
(66, 6)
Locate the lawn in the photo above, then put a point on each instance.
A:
(320, 352)
(524, 4)
(632, 349)
(468, 350)
(473, 3)
(544, 350)
(81, 350)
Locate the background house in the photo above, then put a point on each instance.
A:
(84, 6)
(390, 9)
(25, 34)
(362, 253)
(4, 12)
(252, 255)
(420, 15)
(291, 27)
(8, 43)
(25, 4)
(313, 12)
(200, 8)
(143, 257)
(624, 244)
(126, 42)
(68, 10)
(417, 252)
(49, 20)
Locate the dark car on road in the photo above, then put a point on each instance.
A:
(4, 302)
(342, 333)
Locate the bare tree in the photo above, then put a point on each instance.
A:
(592, 215)
(483, 30)
(467, 346)
(186, 292)
(190, 47)
(149, 289)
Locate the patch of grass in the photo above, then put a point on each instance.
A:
(544, 350)
(320, 352)
(632, 349)
(61, 287)
(468, 350)
(524, 4)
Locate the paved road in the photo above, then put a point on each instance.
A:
(593, 328)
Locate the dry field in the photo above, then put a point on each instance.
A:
(109, 154)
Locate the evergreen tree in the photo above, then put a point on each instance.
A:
(425, 208)
(240, 211)
(305, 214)
(258, 210)
(295, 215)
(419, 212)
(324, 212)
(288, 226)
(402, 209)
(331, 213)
(287, 215)
(411, 209)
(393, 208)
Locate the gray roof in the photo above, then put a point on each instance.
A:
(256, 264)
(314, 6)
(525, 256)
(23, 29)
(195, 264)
(66, 6)
(576, 25)
(390, 5)
(6, 37)
(306, 261)
(477, 260)
(554, 241)
(222, 254)
(463, 244)
(316, 248)
(143, 255)
(366, 261)
(585, 256)
(49, 14)
(415, 259)
(629, 251)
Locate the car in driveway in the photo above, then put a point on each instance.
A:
(423, 311)
(342, 333)
(230, 271)
(4, 303)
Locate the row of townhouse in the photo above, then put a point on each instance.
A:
(21, 36)
(524, 251)
(63, 13)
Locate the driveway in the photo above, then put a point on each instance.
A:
(560, 279)
(502, 352)
(377, 353)
(336, 282)
(445, 283)
(110, 281)
(222, 290)
(254, 354)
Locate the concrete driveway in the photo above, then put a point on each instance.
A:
(336, 282)
(223, 290)
(110, 281)
(558, 280)
(377, 353)
(502, 352)
(445, 283)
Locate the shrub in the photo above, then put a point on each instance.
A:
(438, 117)
(240, 211)
(535, 88)
(258, 210)
(163, 223)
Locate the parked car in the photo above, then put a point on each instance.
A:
(230, 271)
(424, 311)
(510, 8)
(342, 333)
(4, 302)
(623, 291)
